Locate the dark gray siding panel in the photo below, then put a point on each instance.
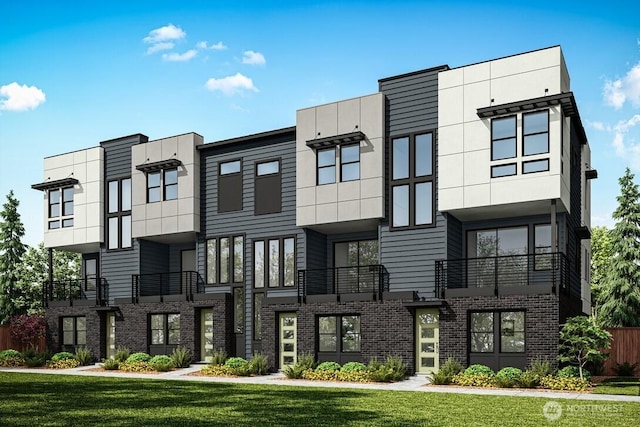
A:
(117, 267)
(117, 153)
(254, 227)
(454, 238)
(175, 255)
(316, 249)
(154, 257)
(574, 219)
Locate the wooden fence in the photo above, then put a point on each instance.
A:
(6, 342)
(625, 347)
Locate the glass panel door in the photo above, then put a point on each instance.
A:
(206, 335)
(111, 335)
(288, 333)
(427, 340)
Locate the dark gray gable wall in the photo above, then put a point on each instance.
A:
(253, 227)
(410, 255)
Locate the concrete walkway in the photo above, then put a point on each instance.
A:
(415, 383)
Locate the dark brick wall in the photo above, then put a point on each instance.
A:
(386, 328)
(541, 328)
(53, 318)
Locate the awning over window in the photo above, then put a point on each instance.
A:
(330, 141)
(591, 174)
(583, 233)
(59, 183)
(156, 166)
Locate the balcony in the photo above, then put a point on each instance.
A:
(76, 292)
(357, 283)
(163, 287)
(503, 275)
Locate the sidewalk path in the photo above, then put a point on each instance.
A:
(416, 383)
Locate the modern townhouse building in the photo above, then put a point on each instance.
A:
(445, 215)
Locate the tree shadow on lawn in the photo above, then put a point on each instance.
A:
(65, 400)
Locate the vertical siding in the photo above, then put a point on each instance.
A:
(574, 219)
(254, 227)
(409, 256)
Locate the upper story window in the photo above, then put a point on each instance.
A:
(268, 188)
(274, 262)
(119, 214)
(170, 184)
(326, 166)
(230, 186)
(350, 162)
(162, 185)
(535, 133)
(412, 181)
(225, 260)
(503, 138)
(60, 208)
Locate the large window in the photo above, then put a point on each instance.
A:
(535, 133)
(74, 331)
(274, 262)
(230, 186)
(225, 260)
(326, 166)
(164, 332)
(412, 181)
(339, 334)
(60, 208)
(542, 244)
(503, 138)
(498, 255)
(268, 187)
(119, 214)
(502, 332)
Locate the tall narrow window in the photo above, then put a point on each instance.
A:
(503, 138)
(350, 162)
(238, 311)
(170, 184)
(257, 315)
(258, 264)
(238, 262)
(542, 242)
(119, 214)
(60, 208)
(212, 262)
(67, 201)
(535, 133)
(326, 166)
(274, 262)
(412, 178)
(230, 186)
(225, 260)
(268, 188)
(481, 331)
(289, 262)
(153, 187)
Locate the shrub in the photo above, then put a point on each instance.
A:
(625, 369)
(27, 329)
(564, 383)
(479, 370)
(304, 362)
(393, 369)
(138, 357)
(353, 367)
(217, 370)
(111, 365)
(84, 356)
(529, 379)
(540, 367)
(508, 377)
(219, 357)
(574, 372)
(33, 358)
(63, 363)
(162, 363)
(473, 380)
(11, 358)
(181, 357)
(259, 364)
(136, 366)
(236, 362)
(122, 354)
(440, 378)
(329, 375)
(63, 355)
(328, 366)
(448, 369)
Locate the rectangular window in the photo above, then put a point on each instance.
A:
(113, 233)
(512, 332)
(225, 260)
(60, 205)
(153, 187)
(54, 203)
(274, 262)
(542, 244)
(268, 188)
(125, 237)
(257, 316)
(503, 170)
(327, 334)
(230, 186)
(412, 195)
(481, 331)
(74, 331)
(535, 133)
(67, 222)
(114, 199)
(339, 334)
(125, 199)
(350, 162)
(326, 166)
(535, 166)
(488, 328)
(164, 329)
(119, 214)
(67, 201)
(170, 184)
(238, 310)
(503, 138)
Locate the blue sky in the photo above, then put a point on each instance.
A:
(75, 73)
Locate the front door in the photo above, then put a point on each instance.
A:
(288, 336)
(110, 335)
(427, 340)
(206, 334)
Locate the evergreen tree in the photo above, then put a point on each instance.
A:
(621, 291)
(600, 259)
(11, 251)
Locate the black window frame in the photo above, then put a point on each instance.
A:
(164, 347)
(524, 171)
(497, 331)
(332, 165)
(231, 261)
(119, 215)
(230, 187)
(340, 351)
(343, 163)
(281, 262)
(63, 219)
(258, 302)
(166, 186)
(267, 189)
(158, 187)
(494, 167)
(74, 330)
(525, 135)
(412, 180)
(514, 137)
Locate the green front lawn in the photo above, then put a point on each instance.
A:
(48, 400)
(620, 385)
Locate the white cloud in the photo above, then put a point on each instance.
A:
(625, 148)
(217, 46)
(190, 54)
(596, 125)
(253, 58)
(231, 84)
(159, 46)
(162, 34)
(20, 97)
(625, 89)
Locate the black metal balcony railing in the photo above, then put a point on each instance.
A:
(161, 284)
(77, 289)
(503, 271)
(344, 280)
